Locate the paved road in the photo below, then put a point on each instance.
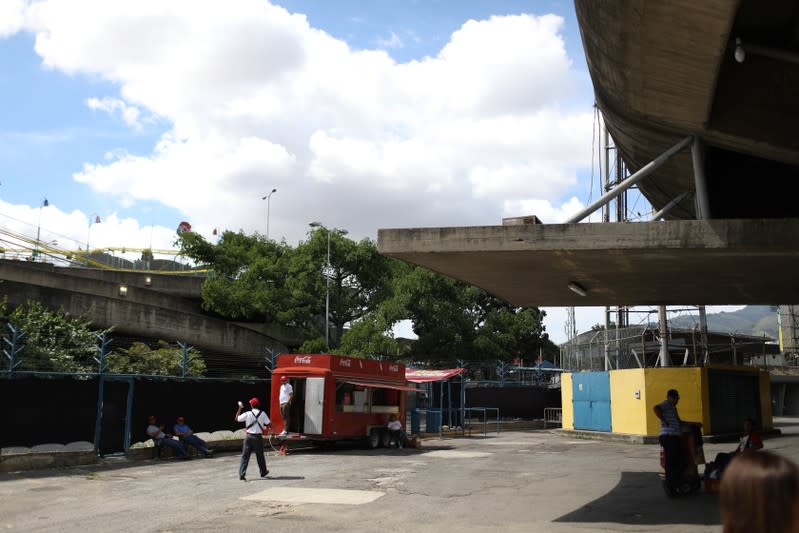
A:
(512, 481)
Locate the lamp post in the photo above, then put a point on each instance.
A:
(267, 198)
(94, 219)
(327, 274)
(44, 203)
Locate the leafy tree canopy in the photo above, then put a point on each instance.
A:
(54, 341)
(165, 360)
(259, 279)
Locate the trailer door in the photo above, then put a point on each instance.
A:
(314, 404)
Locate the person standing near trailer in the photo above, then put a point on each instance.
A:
(286, 395)
(670, 427)
(255, 420)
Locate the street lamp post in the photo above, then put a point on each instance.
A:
(327, 274)
(94, 219)
(268, 197)
(44, 203)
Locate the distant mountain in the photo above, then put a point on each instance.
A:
(751, 320)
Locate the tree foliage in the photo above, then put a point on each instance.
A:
(454, 320)
(165, 360)
(261, 280)
(54, 341)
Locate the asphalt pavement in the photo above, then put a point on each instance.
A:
(538, 480)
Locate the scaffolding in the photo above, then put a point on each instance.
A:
(640, 347)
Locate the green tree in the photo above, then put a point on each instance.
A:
(165, 360)
(454, 320)
(55, 341)
(359, 278)
(368, 337)
(259, 279)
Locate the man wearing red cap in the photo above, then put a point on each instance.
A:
(183, 432)
(160, 438)
(255, 420)
(286, 395)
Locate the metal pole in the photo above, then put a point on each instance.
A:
(703, 332)
(631, 180)
(700, 184)
(669, 206)
(38, 232)
(327, 295)
(128, 414)
(268, 199)
(665, 358)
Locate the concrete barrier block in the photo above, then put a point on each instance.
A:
(47, 448)
(47, 456)
(14, 450)
(79, 446)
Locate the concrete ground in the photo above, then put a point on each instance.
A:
(535, 480)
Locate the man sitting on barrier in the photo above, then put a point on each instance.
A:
(161, 439)
(396, 432)
(750, 440)
(188, 438)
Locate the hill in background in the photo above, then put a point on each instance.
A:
(751, 320)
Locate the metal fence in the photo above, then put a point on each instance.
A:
(553, 416)
(639, 347)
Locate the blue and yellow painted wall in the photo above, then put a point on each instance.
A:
(635, 391)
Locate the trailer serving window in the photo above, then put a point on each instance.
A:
(360, 396)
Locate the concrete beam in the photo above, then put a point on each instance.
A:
(713, 262)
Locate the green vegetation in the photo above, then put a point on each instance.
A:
(260, 280)
(165, 360)
(54, 341)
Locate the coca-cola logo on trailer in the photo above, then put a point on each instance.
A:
(345, 362)
(393, 368)
(302, 360)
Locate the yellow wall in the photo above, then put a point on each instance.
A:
(634, 415)
(691, 383)
(566, 401)
(628, 404)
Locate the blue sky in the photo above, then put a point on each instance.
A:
(363, 115)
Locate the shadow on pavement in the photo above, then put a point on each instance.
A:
(638, 499)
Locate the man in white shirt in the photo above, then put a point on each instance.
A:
(395, 429)
(255, 420)
(286, 395)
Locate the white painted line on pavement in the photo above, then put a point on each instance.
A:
(313, 495)
(454, 454)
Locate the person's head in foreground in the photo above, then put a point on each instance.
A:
(760, 492)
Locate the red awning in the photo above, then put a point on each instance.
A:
(379, 385)
(424, 376)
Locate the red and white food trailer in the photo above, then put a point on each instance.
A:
(339, 398)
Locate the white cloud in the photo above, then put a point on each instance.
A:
(257, 99)
(63, 232)
(12, 16)
(130, 114)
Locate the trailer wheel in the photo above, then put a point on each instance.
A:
(374, 438)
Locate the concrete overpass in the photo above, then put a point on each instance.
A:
(144, 306)
(664, 72)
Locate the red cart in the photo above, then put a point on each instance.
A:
(693, 454)
(339, 397)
